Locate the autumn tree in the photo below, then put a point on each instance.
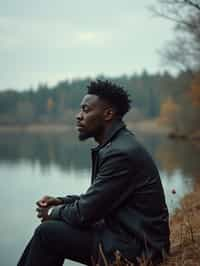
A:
(168, 113)
(195, 91)
(183, 52)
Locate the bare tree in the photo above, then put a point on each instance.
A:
(184, 50)
(179, 11)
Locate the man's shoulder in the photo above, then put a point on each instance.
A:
(124, 142)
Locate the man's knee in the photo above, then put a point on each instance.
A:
(45, 232)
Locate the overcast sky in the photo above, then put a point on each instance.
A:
(48, 40)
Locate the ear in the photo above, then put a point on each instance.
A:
(109, 114)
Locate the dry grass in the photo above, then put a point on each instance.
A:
(185, 232)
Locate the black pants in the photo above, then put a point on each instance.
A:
(53, 241)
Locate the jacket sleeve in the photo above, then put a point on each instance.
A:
(69, 198)
(105, 194)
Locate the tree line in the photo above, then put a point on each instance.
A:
(59, 103)
(175, 100)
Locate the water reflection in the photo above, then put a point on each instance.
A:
(176, 185)
(22, 184)
(66, 151)
(174, 159)
(179, 155)
(34, 165)
(63, 150)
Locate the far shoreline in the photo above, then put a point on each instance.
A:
(145, 127)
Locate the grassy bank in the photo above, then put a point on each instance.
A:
(185, 232)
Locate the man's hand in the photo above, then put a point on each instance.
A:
(48, 201)
(44, 205)
(43, 213)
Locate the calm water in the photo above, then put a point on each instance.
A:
(34, 165)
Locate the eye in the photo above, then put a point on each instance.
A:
(85, 108)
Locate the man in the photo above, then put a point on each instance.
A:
(124, 208)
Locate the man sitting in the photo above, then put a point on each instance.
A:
(124, 208)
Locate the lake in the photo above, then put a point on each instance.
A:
(33, 165)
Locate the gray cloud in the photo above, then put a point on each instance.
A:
(48, 40)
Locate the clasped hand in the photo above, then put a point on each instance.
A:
(43, 206)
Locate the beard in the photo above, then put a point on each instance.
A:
(84, 135)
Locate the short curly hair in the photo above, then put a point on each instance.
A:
(115, 95)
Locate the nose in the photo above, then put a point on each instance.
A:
(79, 116)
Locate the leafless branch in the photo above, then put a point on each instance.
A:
(184, 50)
(193, 3)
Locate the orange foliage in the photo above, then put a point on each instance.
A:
(50, 104)
(168, 112)
(195, 91)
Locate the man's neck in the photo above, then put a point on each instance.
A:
(100, 139)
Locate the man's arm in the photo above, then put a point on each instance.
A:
(104, 195)
(69, 199)
(46, 203)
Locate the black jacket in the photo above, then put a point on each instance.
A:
(125, 200)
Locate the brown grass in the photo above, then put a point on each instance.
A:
(185, 232)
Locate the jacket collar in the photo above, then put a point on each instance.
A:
(115, 127)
